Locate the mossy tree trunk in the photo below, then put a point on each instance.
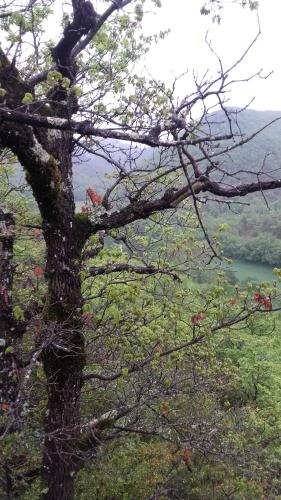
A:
(63, 358)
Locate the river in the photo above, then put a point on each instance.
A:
(244, 270)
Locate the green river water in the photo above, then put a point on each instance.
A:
(244, 270)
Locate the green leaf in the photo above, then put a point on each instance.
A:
(27, 99)
(18, 313)
(9, 350)
(86, 308)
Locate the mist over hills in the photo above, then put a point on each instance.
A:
(253, 232)
(262, 152)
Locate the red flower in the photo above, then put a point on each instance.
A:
(258, 297)
(267, 302)
(85, 209)
(233, 302)
(38, 271)
(196, 318)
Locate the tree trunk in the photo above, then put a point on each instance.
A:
(11, 332)
(63, 362)
(61, 459)
(64, 357)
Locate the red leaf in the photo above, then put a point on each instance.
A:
(5, 406)
(258, 297)
(94, 197)
(38, 271)
(196, 318)
(186, 456)
(267, 302)
(4, 293)
(85, 209)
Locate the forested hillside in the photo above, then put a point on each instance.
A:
(252, 229)
(262, 152)
(211, 417)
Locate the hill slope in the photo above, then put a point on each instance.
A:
(263, 152)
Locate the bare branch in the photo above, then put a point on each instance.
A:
(151, 270)
(85, 128)
(134, 212)
(107, 419)
(4, 15)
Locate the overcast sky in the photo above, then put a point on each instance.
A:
(185, 47)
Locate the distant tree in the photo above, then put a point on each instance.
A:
(66, 91)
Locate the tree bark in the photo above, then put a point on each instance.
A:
(60, 460)
(64, 357)
(11, 332)
(63, 362)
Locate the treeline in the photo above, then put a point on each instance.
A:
(251, 233)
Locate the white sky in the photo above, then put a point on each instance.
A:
(185, 47)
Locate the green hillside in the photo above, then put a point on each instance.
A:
(254, 229)
(263, 152)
